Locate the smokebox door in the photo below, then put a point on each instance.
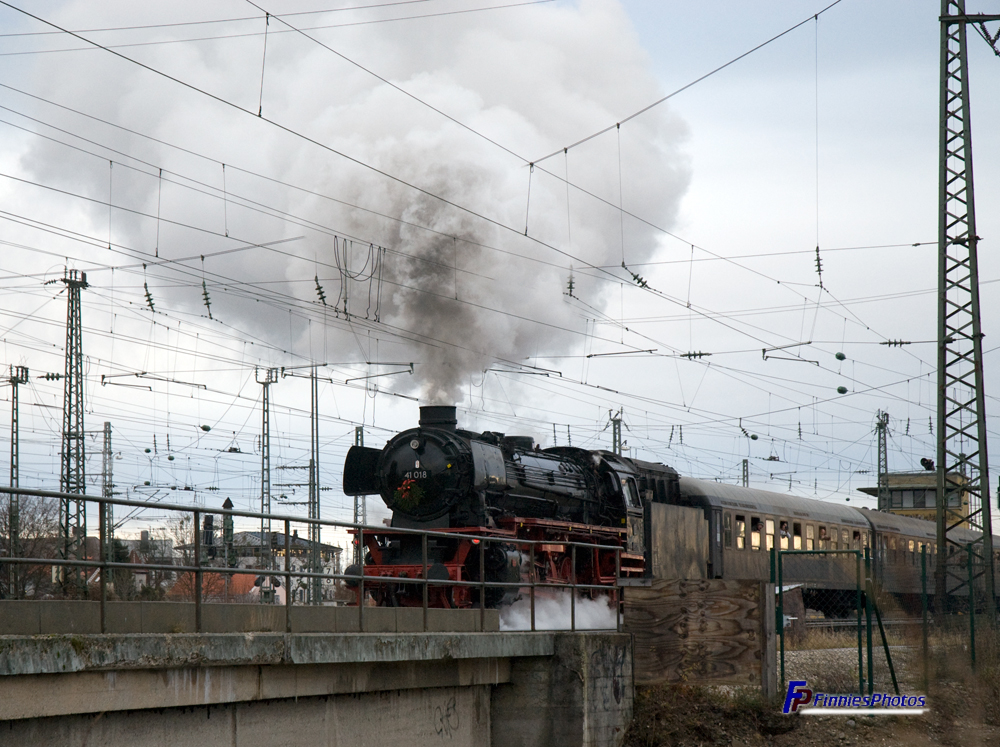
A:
(359, 471)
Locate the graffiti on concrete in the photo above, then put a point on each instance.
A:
(446, 720)
(608, 675)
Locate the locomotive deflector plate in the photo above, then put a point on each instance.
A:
(488, 465)
(359, 471)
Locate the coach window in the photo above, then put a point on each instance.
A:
(784, 536)
(727, 528)
(824, 540)
(845, 539)
(755, 530)
(809, 537)
(912, 557)
(741, 532)
(834, 535)
(796, 536)
(856, 540)
(769, 532)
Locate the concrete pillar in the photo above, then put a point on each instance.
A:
(580, 697)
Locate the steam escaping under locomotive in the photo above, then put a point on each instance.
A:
(565, 515)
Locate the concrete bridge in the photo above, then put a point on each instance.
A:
(464, 682)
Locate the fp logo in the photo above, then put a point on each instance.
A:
(798, 694)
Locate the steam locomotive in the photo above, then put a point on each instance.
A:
(439, 477)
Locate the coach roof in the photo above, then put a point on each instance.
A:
(720, 495)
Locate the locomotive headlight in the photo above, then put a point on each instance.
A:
(415, 444)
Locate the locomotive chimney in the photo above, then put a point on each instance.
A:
(438, 416)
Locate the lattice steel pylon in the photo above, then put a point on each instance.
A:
(108, 491)
(73, 477)
(265, 377)
(882, 427)
(315, 560)
(360, 507)
(962, 463)
(18, 375)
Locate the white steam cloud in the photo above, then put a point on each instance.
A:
(553, 611)
(461, 291)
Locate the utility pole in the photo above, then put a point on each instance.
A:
(108, 491)
(746, 473)
(265, 377)
(882, 426)
(360, 508)
(73, 479)
(315, 559)
(961, 410)
(315, 585)
(18, 375)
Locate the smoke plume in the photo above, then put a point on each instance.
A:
(461, 289)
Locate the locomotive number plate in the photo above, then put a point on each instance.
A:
(417, 474)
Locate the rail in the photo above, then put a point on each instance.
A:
(199, 567)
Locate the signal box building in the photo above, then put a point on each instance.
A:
(915, 494)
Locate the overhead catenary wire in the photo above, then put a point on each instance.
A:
(259, 284)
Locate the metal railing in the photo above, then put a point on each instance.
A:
(199, 567)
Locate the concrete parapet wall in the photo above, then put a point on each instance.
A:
(19, 617)
(35, 655)
(457, 716)
(582, 696)
(263, 689)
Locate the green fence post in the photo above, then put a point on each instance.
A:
(868, 620)
(885, 643)
(780, 616)
(923, 605)
(972, 611)
(857, 599)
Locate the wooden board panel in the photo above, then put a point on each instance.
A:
(678, 541)
(701, 632)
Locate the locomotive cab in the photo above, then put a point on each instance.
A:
(622, 483)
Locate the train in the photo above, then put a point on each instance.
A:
(507, 490)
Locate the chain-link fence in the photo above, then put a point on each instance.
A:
(820, 618)
(851, 622)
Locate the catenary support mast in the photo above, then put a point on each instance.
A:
(265, 377)
(962, 463)
(360, 508)
(882, 426)
(73, 478)
(315, 561)
(18, 375)
(108, 491)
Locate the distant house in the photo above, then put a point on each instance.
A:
(216, 587)
(248, 551)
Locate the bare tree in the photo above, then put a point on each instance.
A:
(39, 538)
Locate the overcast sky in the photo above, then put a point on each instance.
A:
(410, 140)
